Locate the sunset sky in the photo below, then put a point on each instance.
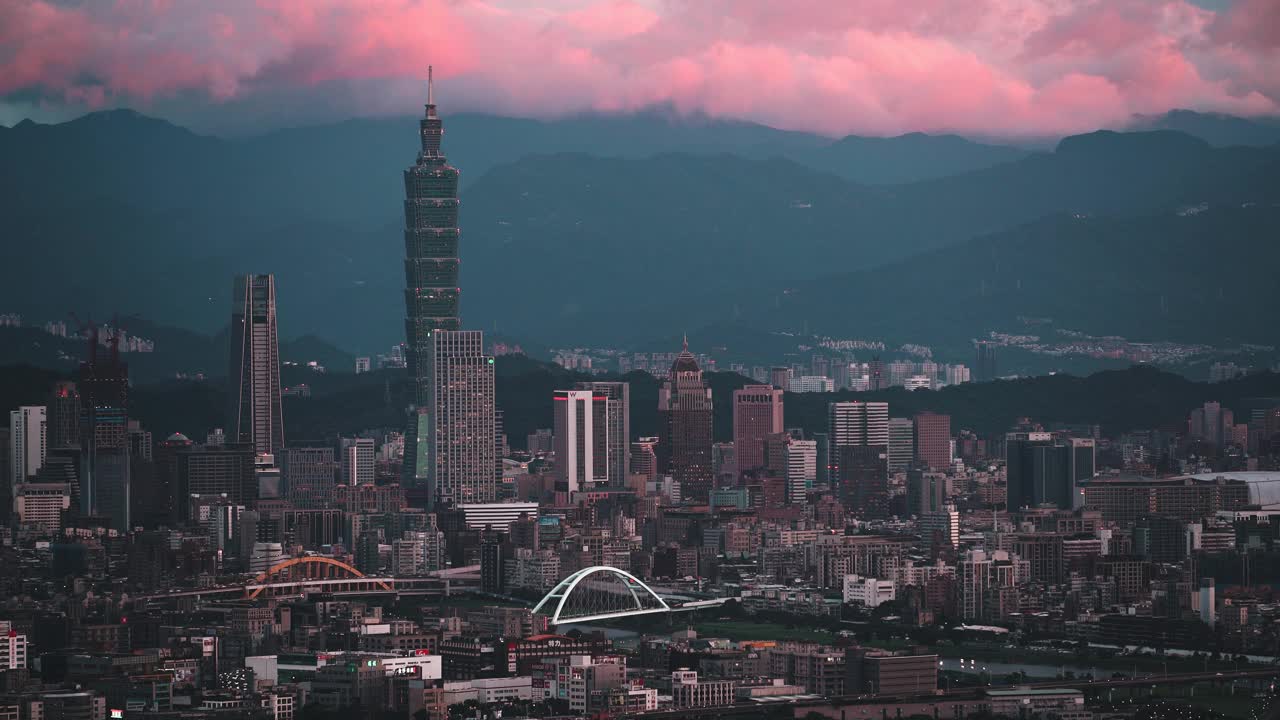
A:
(1011, 67)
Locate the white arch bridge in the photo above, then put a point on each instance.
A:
(601, 592)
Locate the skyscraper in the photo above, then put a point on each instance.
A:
(902, 443)
(431, 280)
(581, 439)
(255, 415)
(864, 479)
(684, 418)
(985, 369)
(1045, 470)
(462, 448)
(802, 468)
(104, 436)
(1212, 423)
(857, 423)
(356, 464)
(933, 440)
(860, 453)
(64, 416)
(618, 403)
(876, 376)
(757, 413)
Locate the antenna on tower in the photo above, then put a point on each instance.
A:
(430, 87)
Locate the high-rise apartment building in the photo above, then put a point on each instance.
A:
(28, 442)
(431, 283)
(255, 415)
(902, 443)
(581, 439)
(684, 418)
(463, 461)
(933, 440)
(757, 413)
(618, 406)
(802, 468)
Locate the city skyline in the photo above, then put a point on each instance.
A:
(963, 431)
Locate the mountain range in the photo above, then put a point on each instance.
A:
(613, 229)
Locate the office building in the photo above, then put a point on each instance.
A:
(356, 460)
(811, 383)
(684, 418)
(581, 439)
(496, 516)
(757, 413)
(104, 436)
(687, 691)
(902, 443)
(255, 416)
(1213, 424)
(644, 459)
(1042, 469)
(309, 475)
(780, 377)
(879, 672)
(618, 403)
(926, 491)
(13, 648)
(859, 451)
(227, 472)
(1208, 601)
(933, 440)
(940, 527)
(28, 442)
(858, 423)
(64, 416)
(868, 591)
(863, 476)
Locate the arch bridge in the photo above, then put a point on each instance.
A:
(312, 572)
(600, 593)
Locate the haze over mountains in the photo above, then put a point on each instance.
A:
(619, 229)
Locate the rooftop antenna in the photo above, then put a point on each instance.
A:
(430, 87)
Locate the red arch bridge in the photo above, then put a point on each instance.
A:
(314, 574)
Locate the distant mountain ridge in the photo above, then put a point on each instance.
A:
(1216, 129)
(117, 211)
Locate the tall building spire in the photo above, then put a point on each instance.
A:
(431, 95)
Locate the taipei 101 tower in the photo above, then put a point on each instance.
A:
(451, 442)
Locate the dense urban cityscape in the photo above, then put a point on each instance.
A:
(836, 527)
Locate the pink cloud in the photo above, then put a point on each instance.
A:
(875, 66)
